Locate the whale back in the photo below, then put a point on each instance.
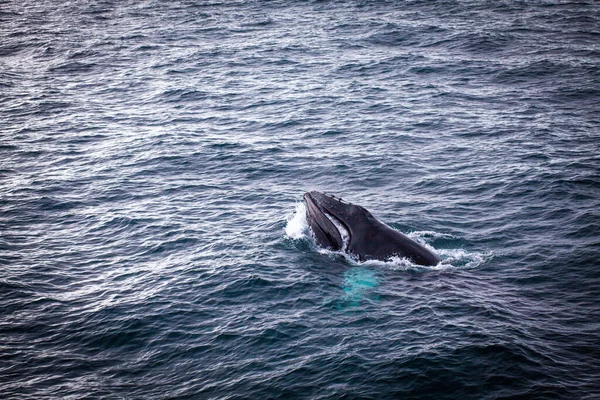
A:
(374, 240)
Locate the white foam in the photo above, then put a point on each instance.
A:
(297, 226)
(461, 258)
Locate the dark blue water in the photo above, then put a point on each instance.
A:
(153, 157)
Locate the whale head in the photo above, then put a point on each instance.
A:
(333, 220)
(341, 226)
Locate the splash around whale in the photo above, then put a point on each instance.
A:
(341, 226)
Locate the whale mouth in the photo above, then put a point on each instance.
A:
(329, 230)
(343, 231)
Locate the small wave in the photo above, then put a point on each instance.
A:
(461, 258)
(430, 235)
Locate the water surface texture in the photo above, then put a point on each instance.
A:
(153, 158)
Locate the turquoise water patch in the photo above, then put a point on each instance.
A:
(358, 283)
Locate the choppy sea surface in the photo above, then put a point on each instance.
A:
(153, 158)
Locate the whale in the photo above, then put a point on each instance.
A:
(338, 225)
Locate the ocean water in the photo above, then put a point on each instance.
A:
(153, 158)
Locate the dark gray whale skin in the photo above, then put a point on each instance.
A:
(370, 239)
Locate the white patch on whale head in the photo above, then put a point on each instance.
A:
(342, 230)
